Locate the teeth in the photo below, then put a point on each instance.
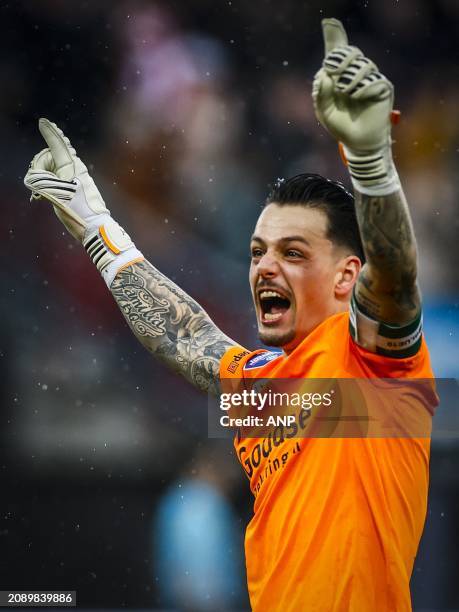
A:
(269, 294)
(272, 317)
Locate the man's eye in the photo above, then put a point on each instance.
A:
(293, 253)
(257, 253)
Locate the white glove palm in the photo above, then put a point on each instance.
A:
(354, 101)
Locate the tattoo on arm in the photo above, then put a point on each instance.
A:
(387, 286)
(170, 324)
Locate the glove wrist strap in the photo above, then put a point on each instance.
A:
(372, 173)
(110, 248)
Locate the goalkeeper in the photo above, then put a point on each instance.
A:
(337, 528)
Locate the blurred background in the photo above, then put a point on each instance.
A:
(185, 112)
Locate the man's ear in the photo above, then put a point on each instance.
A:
(346, 276)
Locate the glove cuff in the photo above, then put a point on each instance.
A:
(110, 248)
(372, 173)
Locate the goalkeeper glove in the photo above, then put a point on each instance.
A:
(58, 175)
(354, 101)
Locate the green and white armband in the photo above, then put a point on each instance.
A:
(396, 341)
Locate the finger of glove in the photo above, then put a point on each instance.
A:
(338, 60)
(317, 83)
(63, 153)
(41, 165)
(322, 85)
(374, 86)
(334, 34)
(322, 93)
(47, 185)
(354, 74)
(43, 161)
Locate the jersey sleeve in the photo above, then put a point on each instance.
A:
(232, 369)
(233, 361)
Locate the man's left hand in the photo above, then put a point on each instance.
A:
(352, 99)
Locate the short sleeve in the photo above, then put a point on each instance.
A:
(233, 361)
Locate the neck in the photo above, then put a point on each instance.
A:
(339, 308)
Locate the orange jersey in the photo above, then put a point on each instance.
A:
(337, 521)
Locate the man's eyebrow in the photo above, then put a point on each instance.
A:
(295, 239)
(284, 240)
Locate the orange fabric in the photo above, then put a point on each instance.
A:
(336, 522)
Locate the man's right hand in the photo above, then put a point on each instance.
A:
(57, 174)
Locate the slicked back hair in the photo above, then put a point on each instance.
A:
(331, 197)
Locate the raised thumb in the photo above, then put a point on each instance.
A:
(334, 34)
(61, 150)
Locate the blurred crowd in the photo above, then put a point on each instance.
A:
(184, 112)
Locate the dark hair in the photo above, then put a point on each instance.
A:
(315, 191)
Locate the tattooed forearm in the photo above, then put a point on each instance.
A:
(170, 324)
(387, 284)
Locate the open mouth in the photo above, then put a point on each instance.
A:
(273, 305)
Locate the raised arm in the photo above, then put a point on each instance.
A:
(387, 288)
(168, 322)
(354, 102)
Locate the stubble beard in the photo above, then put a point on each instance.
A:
(273, 338)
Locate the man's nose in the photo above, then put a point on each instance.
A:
(268, 266)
